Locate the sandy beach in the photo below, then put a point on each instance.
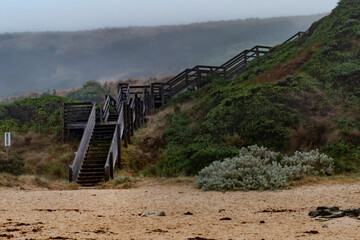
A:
(114, 214)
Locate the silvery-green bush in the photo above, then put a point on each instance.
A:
(257, 168)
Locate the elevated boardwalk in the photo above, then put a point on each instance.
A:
(102, 129)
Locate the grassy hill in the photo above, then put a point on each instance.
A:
(58, 60)
(303, 95)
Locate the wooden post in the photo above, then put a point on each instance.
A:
(137, 111)
(126, 123)
(131, 112)
(107, 173)
(134, 114)
(141, 101)
(111, 165)
(129, 124)
(119, 146)
(198, 76)
(152, 95)
(148, 103)
(162, 95)
(142, 112)
(63, 123)
(70, 174)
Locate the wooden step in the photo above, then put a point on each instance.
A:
(91, 174)
(89, 182)
(107, 126)
(93, 166)
(109, 132)
(95, 163)
(97, 153)
(90, 168)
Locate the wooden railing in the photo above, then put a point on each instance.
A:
(75, 115)
(105, 111)
(76, 112)
(115, 147)
(295, 36)
(163, 92)
(84, 144)
(238, 63)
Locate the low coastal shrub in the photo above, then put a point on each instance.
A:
(257, 168)
(346, 156)
(91, 91)
(15, 166)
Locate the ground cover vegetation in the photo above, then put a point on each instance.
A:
(36, 127)
(303, 95)
(257, 168)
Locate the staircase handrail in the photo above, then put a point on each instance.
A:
(74, 169)
(114, 147)
(132, 106)
(106, 109)
(295, 36)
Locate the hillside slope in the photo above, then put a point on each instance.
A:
(42, 61)
(303, 95)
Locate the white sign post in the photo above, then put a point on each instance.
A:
(7, 139)
(7, 143)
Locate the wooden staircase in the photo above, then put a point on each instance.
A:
(92, 170)
(103, 129)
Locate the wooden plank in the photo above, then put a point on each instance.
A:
(142, 86)
(75, 125)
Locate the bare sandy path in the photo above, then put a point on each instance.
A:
(113, 214)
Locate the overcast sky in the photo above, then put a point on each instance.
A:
(71, 15)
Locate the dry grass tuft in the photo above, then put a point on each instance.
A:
(43, 155)
(318, 134)
(285, 69)
(148, 143)
(326, 180)
(31, 182)
(180, 180)
(121, 182)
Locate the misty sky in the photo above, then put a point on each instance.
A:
(72, 15)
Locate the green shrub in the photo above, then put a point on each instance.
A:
(15, 166)
(55, 170)
(257, 168)
(42, 114)
(346, 156)
(91, 91)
